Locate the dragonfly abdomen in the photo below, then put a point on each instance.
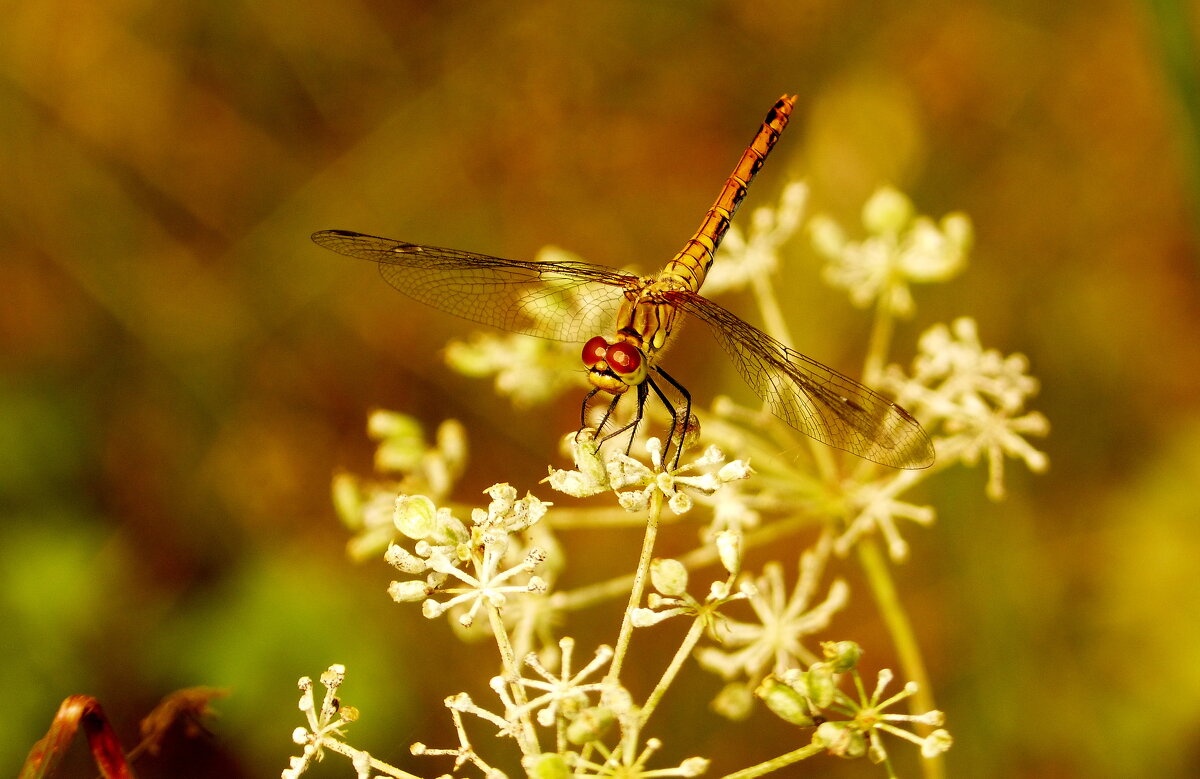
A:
(692, 262)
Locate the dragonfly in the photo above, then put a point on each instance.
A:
(576, 301)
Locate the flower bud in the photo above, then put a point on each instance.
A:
(785, 702)
(391, 424)
(409, 591)
(840, 739)
(415, 516)
(547, 765)
(842, 655)
(347, 501)
(936, 743)
(887, 211)
(818, 684)
(670, 577)
(729, 550)
(403, 560)
(590, 725)
(735, 701)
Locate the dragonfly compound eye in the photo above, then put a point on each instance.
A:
(593, 350)
(623, 359)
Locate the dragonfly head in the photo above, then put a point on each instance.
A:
(614, 367)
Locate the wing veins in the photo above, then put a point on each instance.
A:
(813, 398)
(567, 301)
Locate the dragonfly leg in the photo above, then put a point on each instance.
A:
(584, 409)
(674, 412)
(633, 425)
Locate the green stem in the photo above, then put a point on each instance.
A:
(1172, 23)
(639, 586)
(776, 763)
(768, 304)
(512, 675)
(879, 342)
(681, 655)
(589, 595)
(879, 577)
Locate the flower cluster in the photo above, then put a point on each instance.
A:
(669, 578)
(472, 566)
(326, 729)
(603, 470)
(413, 465)
(747, 651)
(900, 249)
(976, 396)
(846, 726)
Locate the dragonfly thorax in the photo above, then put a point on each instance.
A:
(647, 319)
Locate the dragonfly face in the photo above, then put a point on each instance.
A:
(615, 367)
(572, 301)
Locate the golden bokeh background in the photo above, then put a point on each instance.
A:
(182, 370)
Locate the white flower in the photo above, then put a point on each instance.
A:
(978, 395)
(475, 558)
(898, 250)
(531, 371)
(863, 733)
(366, 507)
(599, 471)
(873, 506)
(773, 641)
(566, 693)
(325, 724)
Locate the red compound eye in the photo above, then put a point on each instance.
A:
(623, 358)
(593, 350)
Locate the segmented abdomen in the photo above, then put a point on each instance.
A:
(692, 262)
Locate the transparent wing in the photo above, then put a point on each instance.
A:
(564, 301)
(816, 400)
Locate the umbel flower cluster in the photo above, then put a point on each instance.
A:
(765, 627)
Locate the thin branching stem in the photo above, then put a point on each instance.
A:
(776, 763)
(639, 586)
(528, 740)
(379, 765)
(768, 305)
(879, 343)
(681, 655)
(587, 596)
(879, 578)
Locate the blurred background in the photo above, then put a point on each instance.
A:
(182, 370)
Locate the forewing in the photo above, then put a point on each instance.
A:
(565, 301)
(816, 400)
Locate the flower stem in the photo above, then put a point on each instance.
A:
(352, 753)
(528, 742)
(589, 595)
(768, 305)
(776, 763)
(681, 655)
(639, 586)
(879, 577)
(880, 341)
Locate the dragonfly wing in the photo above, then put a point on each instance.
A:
(564, 301)
(816, 400)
